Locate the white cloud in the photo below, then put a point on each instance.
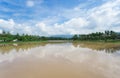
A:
(106, 16)
(30, 3)
(7, 24)
(72, 26)
(10, 25)
(100, 18)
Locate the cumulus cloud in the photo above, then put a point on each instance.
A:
(100, 18)
(7, 24)
(106, 16)
(12, 27)
(79, 21)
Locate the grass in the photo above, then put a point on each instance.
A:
(22, 42)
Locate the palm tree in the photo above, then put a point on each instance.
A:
(75, 37)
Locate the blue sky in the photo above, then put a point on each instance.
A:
(56, 17)
(38, 9)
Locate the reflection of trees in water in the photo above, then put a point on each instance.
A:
(107, 47)
(5, 48)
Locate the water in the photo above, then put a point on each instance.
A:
(60, 60)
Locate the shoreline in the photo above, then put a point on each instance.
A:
(62, 41)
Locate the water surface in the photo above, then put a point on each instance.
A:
(60, 60)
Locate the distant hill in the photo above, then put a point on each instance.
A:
(63, 36)
(118, 32)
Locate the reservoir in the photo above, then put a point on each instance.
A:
(60, 60)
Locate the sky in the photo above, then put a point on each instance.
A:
(59, 17)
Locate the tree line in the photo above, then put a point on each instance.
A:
(106, 36)
(8, 37)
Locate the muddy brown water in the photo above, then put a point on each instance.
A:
(60, 60)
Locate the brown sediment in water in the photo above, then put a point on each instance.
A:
(46, 69)
(57, 60)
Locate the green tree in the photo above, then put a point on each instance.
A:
(75, 37)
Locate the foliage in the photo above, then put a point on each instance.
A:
(8, 37)
(107, 35)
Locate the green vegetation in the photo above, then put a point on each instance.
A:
(98, 36)
(8, 37)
